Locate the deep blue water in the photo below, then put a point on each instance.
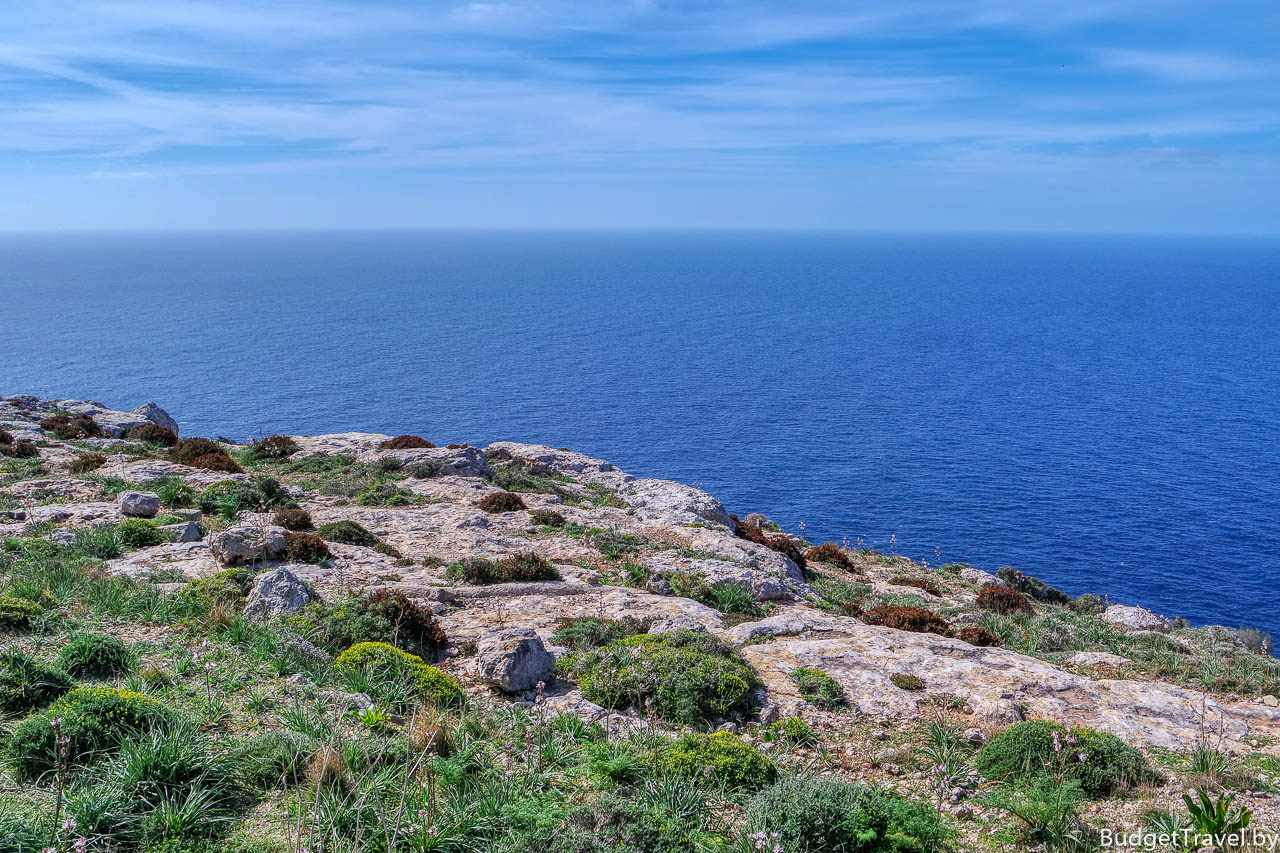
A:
(1102, 413)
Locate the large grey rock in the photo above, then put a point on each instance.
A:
(773, 626)
(139, 504)
(1135, 617)
(247, 543)
(669, 502)
(979, 577)
(1097, 659)
(679, 622)
(156, 415)
(187, 531)
(275, 593)
(514, 660)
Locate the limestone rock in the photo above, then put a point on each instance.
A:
(156, 415)
(1097, 659)
(187, 531)
(275, 593)
(1135, 617)
(247, 543)
(773, 626)
(677, 623)
(979, 577)
(139, 504)
(672, 503)
(514, 660)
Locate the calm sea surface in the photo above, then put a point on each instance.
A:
(1103, 413)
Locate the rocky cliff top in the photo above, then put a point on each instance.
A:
(903, 640)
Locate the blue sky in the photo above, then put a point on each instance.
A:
(1071, 115)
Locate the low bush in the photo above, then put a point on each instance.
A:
(385, 494)
(293, 519)
(547, 518)
(152, 434)
(140, 533)
(6, 437)
(1088, 603)
(186, 449)
(384, 616)
(1100, 762)
(347, 532)
(907, 681)
(791, 731)
(919, 583)
(812, 814)
(17, 613)
(518, 567)
(228, 498)
(683, 677)
(818, 688)
(592, 633)
(95, 655)
(67, 427)
(374, 664)
(830, 553)
(1032, 586)
(1003, 600)
(906, 618)
(86, 463)
(304, 548)
(721, 758)
(976, 635)
(93, 720)
(25, 683)
(405, 442)
(220, 462)
(21, 449)
(779, 542)
(227, 587)
(273, 447)
(173, 491)
(501, 502)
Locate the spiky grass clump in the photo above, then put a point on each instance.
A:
(25, 683)
(384, 669)
(818, 688)
(95, 655)
(86, 463)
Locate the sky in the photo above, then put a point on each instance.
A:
(1004, 115)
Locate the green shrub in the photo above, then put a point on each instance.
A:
(173, 491)
(228, 586)
(25, 683)
(660, 815)
(229, 498)
(1032, 586)
(385, 494)
(93, 719)
(383, 616)
(818, 688)
(907, 681)
(684, 676)
(501, 502)
(304, 548)
(273, 447)
(347, 532)
(592, 633)
(140, 533)
(152, 434)
(792, 731)
(1025, 750)
(547, 518)
(95, 655)
(373, 663)
(722, 758)
(516, 568)
(17, 613)
(187, 449)
(823, 815)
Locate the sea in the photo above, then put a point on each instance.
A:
(1101, 412)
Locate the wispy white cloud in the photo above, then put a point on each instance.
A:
(1186, 66)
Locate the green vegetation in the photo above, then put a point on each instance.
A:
(516, 568)
(25, 683)
(818, 687)
(684, 677)
(1099, 762)
(383, 616)
(720, 757)
(387, 673)
(347, 532)
(95, 655)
